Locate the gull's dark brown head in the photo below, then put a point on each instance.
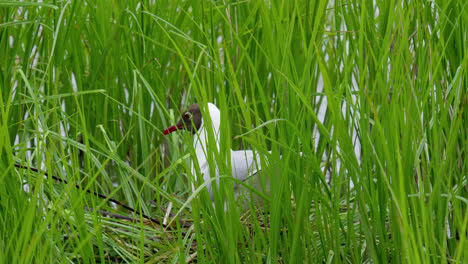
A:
(191, 120)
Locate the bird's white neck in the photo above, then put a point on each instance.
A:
(201, 140)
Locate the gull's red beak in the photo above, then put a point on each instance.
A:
(172, 129)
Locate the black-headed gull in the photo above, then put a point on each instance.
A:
(244, 166)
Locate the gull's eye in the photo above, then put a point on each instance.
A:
(187, 115)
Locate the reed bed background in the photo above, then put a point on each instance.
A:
(373, 93)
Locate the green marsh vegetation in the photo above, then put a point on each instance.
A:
(373, 93)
